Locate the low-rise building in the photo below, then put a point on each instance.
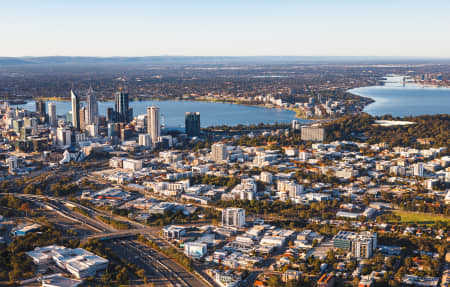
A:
(79, 262)
(132, 164)
(195, 249)
(174, 232)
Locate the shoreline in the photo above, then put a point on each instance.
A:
(412, 83)
(297, 111)
(298, 114)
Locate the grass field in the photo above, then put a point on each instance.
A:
(420, 218)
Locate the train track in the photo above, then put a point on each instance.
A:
(147, 256)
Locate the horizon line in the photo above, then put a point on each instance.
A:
(230, 56)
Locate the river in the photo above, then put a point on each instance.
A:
(211, 113)
(400, 100)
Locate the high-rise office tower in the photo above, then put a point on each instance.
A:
(75, 110)
(92, 107)
(192, 124)
(153, 126)
(110, 115)
(219, 152)
(124, 114)
(53, 119)
(40, 109)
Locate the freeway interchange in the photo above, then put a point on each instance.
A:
(159, 268)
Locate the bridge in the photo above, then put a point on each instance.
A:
(120, 234)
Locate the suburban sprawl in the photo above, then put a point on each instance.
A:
(341, 199)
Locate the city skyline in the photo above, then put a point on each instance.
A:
(225, 143)
(201, 28)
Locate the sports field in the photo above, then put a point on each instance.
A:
(418, 217)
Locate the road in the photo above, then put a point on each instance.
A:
(161, 268)
(153, 261)
(60, 206)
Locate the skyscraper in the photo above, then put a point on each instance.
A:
(153, 126)
(92, 107)
(124, 114)
(192, 124)
(40, 109)
(110, 115)
(53, 120)
(75, 110)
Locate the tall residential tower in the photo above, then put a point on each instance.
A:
(75, 99)
(153, 126)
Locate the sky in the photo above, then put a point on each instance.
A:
(225, 28)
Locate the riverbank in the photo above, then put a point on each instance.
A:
(299, 113)
(212, 113)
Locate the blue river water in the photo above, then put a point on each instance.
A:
(211, 114)
(410, 99)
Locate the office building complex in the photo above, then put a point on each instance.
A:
(313, 134)
(192, 124)
(52, 118)
(174, 232)
(362, 247)
(75, 99)
(123, 113)
(344, 240)
(63, 137)
(79, 262)
(145, 140)
(153, 125)
(361, 244)
(195, 249)
(219, 152)
(233, 217)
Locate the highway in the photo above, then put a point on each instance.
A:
(161, 268)
(60, 206)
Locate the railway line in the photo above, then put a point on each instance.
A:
(160, 273)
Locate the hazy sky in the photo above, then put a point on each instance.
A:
(225, 28)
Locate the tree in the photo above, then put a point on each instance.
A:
(140, 273)
(25, 207)
(275, 281)
(122, 276)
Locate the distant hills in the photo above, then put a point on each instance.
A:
(185, 60)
